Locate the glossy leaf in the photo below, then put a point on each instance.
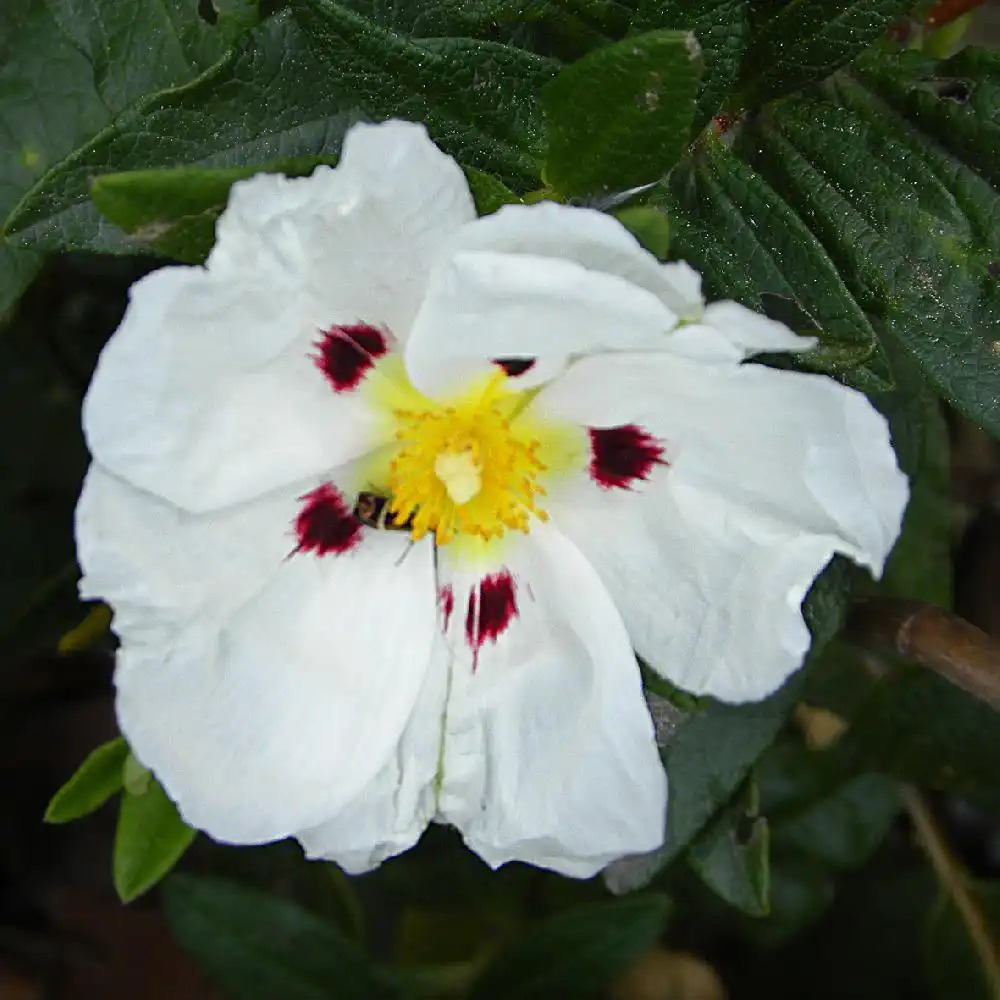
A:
(805, 41)
(95, 781)
(577, 953)
(748, 242)
(621, 116)
(909, 227)
(261, 947)
(954, 101)
(722, 28)
(150, 839)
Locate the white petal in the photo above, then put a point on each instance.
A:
(684, 295)
(576, 265)
(482, 305)
(391, 812)
(207, 394)
(801, 449)
(752, 332)
(359, 238)
(266, 709)
(549, 755)
(770, 474)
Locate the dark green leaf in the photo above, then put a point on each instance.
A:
(711, 754)
(174, 211)
(576, 954)
(807, 40)
(150, 839)
(954, 965)
(478, 99)
(748, 242)
(721, 27)
(732, 855)
(259, 947)
(842, 829)
(17, 269)
(589, 21)
(954, 101)
(621, 116)
(920, 566)
(67, 67)
(919, 727)
(909, 227)
(95, 781)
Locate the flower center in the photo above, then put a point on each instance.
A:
(465, 467)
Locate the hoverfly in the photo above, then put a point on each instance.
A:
(372, 510)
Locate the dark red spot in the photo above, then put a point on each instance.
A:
(446, 599)
(345, 353)
(514, 366)
(622, 455)
(325, 523)
(492, 605)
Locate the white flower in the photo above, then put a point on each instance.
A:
(578, 476)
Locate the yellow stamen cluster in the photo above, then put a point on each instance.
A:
(465, 467)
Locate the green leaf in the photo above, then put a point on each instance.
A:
(807, 40)
(721, 27)
(954, 101)
(17, 270)
(711, 754)
(954, 965)
(174, 211)
(488, 193)
(921, 728)
(909, 227)
(621, 116)
(842, 829)
(477, 98)
(732, 855)
(95, 781)
(67, 67)
(577, 953)
(150, 839)
(748, 242)
(920, 566)
(649, 226)
(260, 947)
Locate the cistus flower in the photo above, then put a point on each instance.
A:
(386, 497)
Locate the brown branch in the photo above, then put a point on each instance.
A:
(932, 637)
(953, 880)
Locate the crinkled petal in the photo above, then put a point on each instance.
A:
(803, 450)
(769, 474)
(391, 812)
(265, 716)
(359, 238)
(549, 752)
(541, 281)
(207, 394)
(752, 332)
